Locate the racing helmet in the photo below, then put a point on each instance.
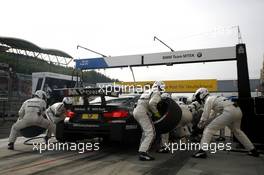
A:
(67, 101)
(160, 85)
(40, 94)
(193, 98)
(200, 95)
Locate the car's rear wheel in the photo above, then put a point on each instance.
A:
(62, 136)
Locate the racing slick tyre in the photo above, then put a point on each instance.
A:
(32, 131)
(171, 115)
(61, 136)
(60, 131)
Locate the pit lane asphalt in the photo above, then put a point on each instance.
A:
(116, 159)
(109, 159)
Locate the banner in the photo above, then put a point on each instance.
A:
(183, 86)
(161, 58)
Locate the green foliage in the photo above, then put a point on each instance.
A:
(27, 65)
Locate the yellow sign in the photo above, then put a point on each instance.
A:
(179, 85)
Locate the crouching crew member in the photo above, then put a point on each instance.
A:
(31, 113)
(230, 115)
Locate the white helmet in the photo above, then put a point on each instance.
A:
(165, 95)
(67, 101)
(41, 94)
(193, 98)
(160, 85)
(200, 95)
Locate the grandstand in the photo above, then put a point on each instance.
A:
(19, 59)
(23, 47)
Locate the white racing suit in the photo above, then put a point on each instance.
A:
(55, 114)
(146, 105)
(230, 116)
(187, 116)
(30, 114)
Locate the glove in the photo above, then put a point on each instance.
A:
(201, 124)
(157, 115)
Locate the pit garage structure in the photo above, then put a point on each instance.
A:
(253, 115)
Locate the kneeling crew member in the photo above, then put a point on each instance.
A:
(187, 116)
(56, 113)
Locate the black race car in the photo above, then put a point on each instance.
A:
(99, 114)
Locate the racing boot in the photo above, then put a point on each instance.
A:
(253, 153)
(200, 154)
(10, 146)
(144, 156)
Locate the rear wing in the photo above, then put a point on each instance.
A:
(73, 92)
(58, 94)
